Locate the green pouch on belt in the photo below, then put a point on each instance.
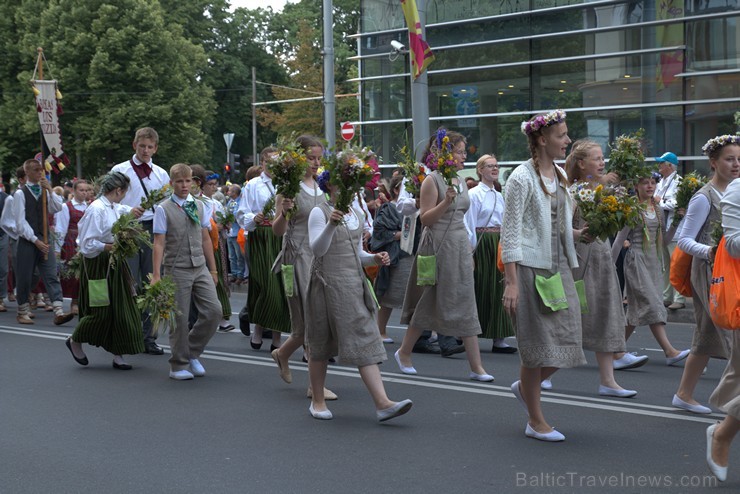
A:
(426, 270)
(97, 292)
(551, 293)
(288, 279)
(581, 290)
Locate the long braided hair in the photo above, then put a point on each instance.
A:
(532, 141)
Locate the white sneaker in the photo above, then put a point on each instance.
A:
(630, 361)
(546, 385)
(181, 375)
(196, 368)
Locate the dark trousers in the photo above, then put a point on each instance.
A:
(141, 267)
(28, 258)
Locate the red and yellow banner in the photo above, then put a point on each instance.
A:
(421, 54)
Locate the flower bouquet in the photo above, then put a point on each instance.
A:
(268, 211)
(606, 209)
(159, 300)
(71, 268)
(687, 187)
(348, 173)
(415, 172)
(287, 168)
(369, 157)
(440, 157)
(627, 159)
(226, 218)
(128, 235)
(156, 196)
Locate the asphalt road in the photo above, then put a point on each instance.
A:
(70, 429)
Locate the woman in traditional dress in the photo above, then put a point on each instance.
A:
(116, 326)
(447, 306)
(643, 274)
(66, 227)
(390, 284)
(727, 395)
(297, 253)
(538, 245)
(702, 214)
(341, 307)
(603, 323)
(484, 225)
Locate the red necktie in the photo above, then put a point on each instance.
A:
(142, 171)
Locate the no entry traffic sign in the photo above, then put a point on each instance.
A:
(348, 131)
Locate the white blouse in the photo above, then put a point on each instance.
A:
(731, 218)
(486, 210)
(696, 215)
(95, 226)
(321, 232)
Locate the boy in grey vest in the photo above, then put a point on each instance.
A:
(183, 246)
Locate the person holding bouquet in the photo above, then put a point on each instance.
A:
(340, 304)
(446, 301)
(538, 253)
(296, 251)
(115, 326)
(643, 270)
(602, 323)
(484, 225)
(266, 300)
(696, 239)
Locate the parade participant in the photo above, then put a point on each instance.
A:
(643, 273)
(448, 305)
(390, 284)
(7, 222)
(483, 220)
(116, 326)
(65, 226)
(665, 196)
(340, 307)
(297, 252)
(145, 177)
(32, 251)
(603, 323)
(236, 256)
(696, 239)
(182, 245)
(266, 300)
(4, 246)
(538, 253)
(726, 396)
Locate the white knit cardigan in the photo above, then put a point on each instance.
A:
(527, 226)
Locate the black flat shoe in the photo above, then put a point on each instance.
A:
(122, 366)
(255, 346)
(81, 361)
(506, 349)
(153, 349)
(273, 348)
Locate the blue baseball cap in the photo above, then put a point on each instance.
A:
(669, 157)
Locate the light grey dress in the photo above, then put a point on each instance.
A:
(643, 276)
(603, 323)
(447, 307)
(549, 339)
(340, 305)
(296, 251)
(727, 395)
(708, 338)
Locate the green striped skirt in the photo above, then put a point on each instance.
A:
(489, 289)
(222, 291)
(116, 327)
(266, 300)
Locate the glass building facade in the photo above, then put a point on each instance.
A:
(671, 67)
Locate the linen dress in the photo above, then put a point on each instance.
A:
(708, 338)
(297, 252)
(603, 323)
(643, 276)
(340, 305)
(551, 339)
(447, 307)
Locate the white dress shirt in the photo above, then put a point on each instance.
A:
(731, 217)
(7, 220)
(160, 215)
(359, 203)
(406, 203)
(61, 222)
(486, 210)
(24, 230)
(135, 193)
(253, 199)
(94, 229)
(666, 188)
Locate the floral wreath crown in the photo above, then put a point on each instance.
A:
(541, 121)
(719, 142)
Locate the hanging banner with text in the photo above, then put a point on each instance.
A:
(49, 111)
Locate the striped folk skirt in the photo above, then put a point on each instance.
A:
(117, 326)
(222, 290)
(266, 300)
(489, 289)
